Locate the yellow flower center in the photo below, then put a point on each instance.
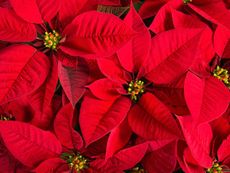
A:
(223, 75)
(216, 168)
(76, 162)
(51, 39)
(187, 1)
(137, 169)
(136, 89)
(4, 117)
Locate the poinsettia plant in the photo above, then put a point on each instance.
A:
(114, 86)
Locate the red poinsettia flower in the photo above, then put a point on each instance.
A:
(58, 37)
(27, 143)
(160, 157)
(206, 147)
(206, 93)
(76, 158)
(131, 77)
(10, 112)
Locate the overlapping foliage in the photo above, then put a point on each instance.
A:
(112, 86)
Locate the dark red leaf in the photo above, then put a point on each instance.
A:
(74, 80)
(14, 29)
(99, 117)
(29, 144)
(151, 119)
(63, 127)
(95, 34)
(207, 99)
(22, 70)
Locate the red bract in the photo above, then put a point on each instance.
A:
(13, 28)
(155, 121)
(101, 86)
(29, 74)
(207, 98)
(37, 144)
(73, 145)
(205, 150)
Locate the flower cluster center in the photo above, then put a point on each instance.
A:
(76, 161)
(187, 1)
(51, 39)
(136, 89)
(216, 168)
(223, 75)
(137, 169)
(4, 117)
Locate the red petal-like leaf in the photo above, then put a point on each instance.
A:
(14, 29)
(151, 119)
(215, 11)
(163, 19)
(128, 158)
(222, 42)
(29, 144)
(48, 9)
(150, 8)
(198, 139)
(133, 54)
(52, 165)
(94, 33)
(74, 80)
(187, 21)
(112, 69)
(162, 160)
(118, 137)
(22, 70)
(223, 152)
(63, 127)
(42, 97)
(36, 11)
(207, 99)
(123, 160)
(69, 10)
(28, 10)
(105, 89)
(99, 117)
(171, 55)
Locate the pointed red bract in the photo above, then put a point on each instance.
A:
(222, 42)
(36, 11)
(171, 55)
(104, 89)
(150, 8)
(118, 138)
(41, 99)
(198, 139)
(184, 20)
(223, 151)
(51, 165)
(151, 119)
(95, 34)
(213, 10)
(133, 54)
(29, 144)
(63, 127)
(123, 160)
(207, 99)
(163, 19)
(99, 117)
(112, 69)
(14, 29)
(162, 160)
(74, 80)
(21, 79)
(69, 9)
